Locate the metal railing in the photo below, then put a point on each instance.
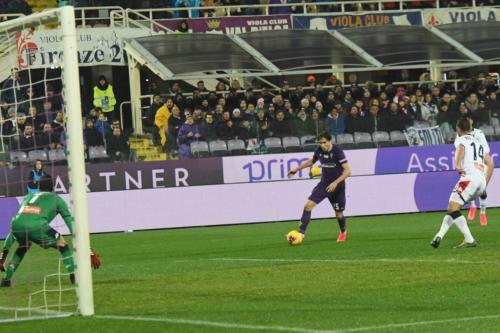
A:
(91, 16)
(297, 8)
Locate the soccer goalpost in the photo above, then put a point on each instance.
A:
(62, 21)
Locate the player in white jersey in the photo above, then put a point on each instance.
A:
(483, 220)
(474, 164)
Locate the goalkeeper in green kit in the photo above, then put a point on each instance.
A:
(31, 225)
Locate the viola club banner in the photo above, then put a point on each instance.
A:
(434, 17)
(232, 25)
(106, 177)
(365, 19)
(96, 46)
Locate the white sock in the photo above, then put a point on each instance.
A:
(445, 226)
(461, 223)
(482, 205)
(473, 204)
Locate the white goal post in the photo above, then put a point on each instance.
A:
(65, 17)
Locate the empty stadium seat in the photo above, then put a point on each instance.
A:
(18, 157)
(199, 149)
(57, 155)
(236, 147)
(346, 141)
(497, 131)
(291, 144)
(398, 138)
(98, 153)
(37, 155)
(273, 145)
(381, 139)
(218, 148)
(363, 140)
(308, 142)
(489, 132)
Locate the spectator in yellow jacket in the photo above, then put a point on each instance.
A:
(161, 122)
(104, 97)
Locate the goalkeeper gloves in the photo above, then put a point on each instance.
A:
(3, 258)
(95, 260)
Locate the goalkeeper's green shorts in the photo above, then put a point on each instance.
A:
(42, 234)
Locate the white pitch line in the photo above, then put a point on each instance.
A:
(291, 329)
(378, 260)
(52, 316)
(214, 324)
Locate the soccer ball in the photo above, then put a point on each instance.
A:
(294, 237)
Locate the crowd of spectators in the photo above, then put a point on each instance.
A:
(31, 121)
(232, 113)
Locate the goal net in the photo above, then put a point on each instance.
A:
(40, 135)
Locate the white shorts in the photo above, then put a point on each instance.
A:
(468, 188)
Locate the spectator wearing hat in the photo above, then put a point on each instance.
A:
(311, 81)
(188, 133)
(237, 117)
(104, 97)
(285, 90)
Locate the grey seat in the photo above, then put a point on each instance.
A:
(308, 142)
(37, 154)
(291, 144)
(381, 139)
(497, 131)
(273, 145)
(18, 157)
(346, 141)
(398, 138)
(218, 148)
(199, 149)
(236, 147)
(57, 155)
(421, 124)
(98, 153)
(489, 132)
(363, 140)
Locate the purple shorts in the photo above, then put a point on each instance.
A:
(336, 198)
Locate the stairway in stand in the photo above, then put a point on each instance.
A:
(40, 5)
(145, 149)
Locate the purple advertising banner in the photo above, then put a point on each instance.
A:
(422, 159)
(174, 207)
(232, 25)
(103, 177)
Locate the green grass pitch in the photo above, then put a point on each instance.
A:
(385, 278)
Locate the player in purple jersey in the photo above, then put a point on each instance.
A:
(335, 170)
